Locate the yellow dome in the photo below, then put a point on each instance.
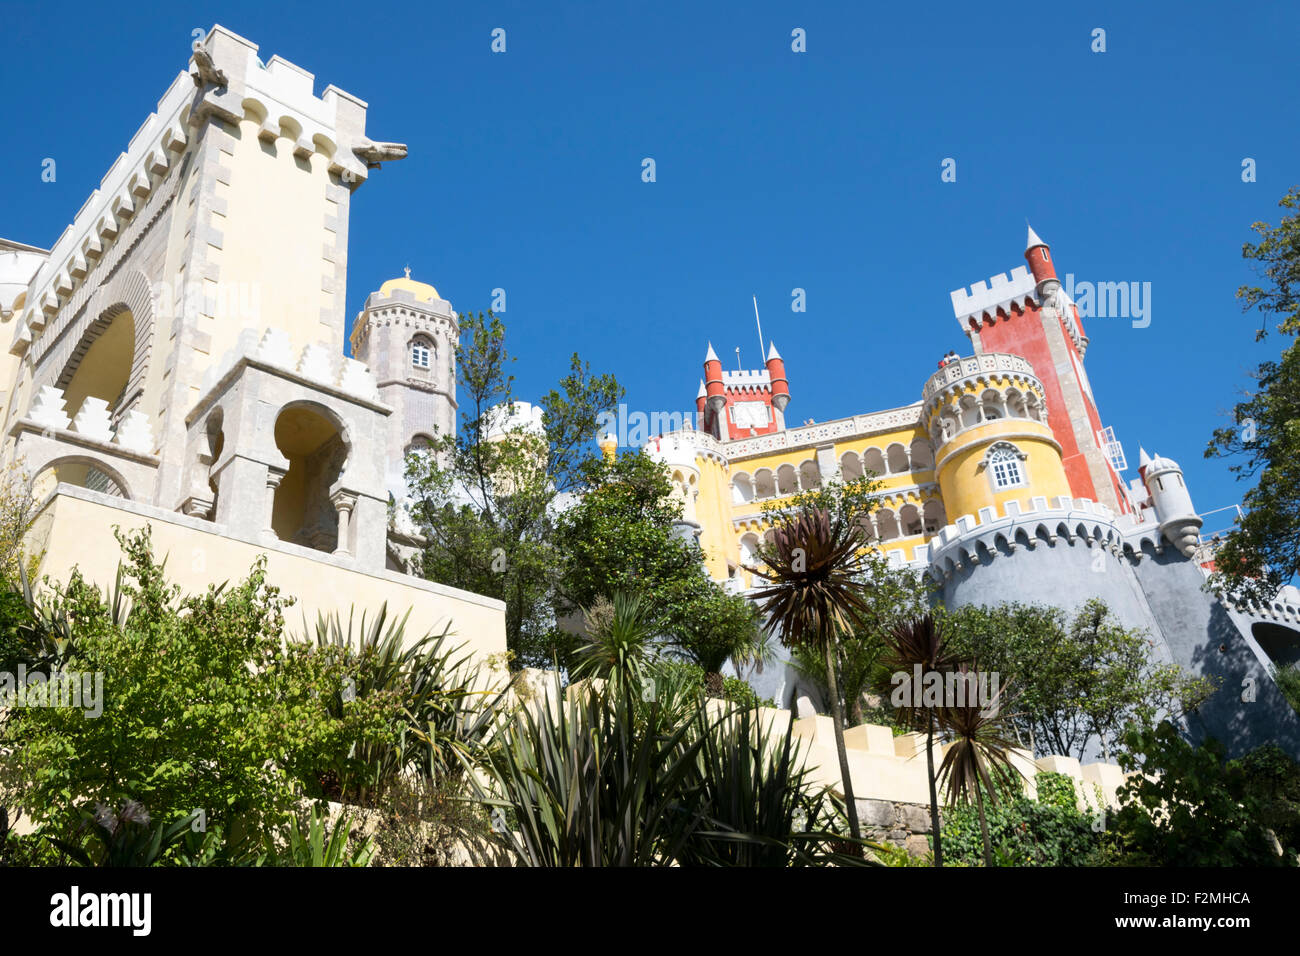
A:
(422, 291)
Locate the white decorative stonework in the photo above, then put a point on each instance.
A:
(985, 299)
(317, 364)
(356, 379)
(275, 349)
(134, 433)
(47, 410)
(93, 420)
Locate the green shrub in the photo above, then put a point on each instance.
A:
(1049, 831)
(1288, 682)
(1188, 806)
(204, 705)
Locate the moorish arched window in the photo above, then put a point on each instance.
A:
(1005, 463)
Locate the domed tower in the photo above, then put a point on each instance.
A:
(678, 452)
(1179, 522)
(407, 335)
(988, 424)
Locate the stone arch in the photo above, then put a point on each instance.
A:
(873, 460)
(83, 471)
(909, 519)
(850, 466)
(922, 456)
(129, 293)
(970, 411)
(1016, 403)
(934, 516)
(315, 442)
(896, 458)
(764, 483)
(742, 489)
(887, 524)
(992, 405)
(787, 481)
(810, 476)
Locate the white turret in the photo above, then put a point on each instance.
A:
(1179, 522)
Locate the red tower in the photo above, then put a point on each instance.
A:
(1030, 315)
(743, 404)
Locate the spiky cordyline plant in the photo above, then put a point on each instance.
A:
(444, 715)
(814, 567)
(921, 643)
(979, 757)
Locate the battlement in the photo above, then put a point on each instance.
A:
(985, 298)
(314, 362)
(752, 378)
(278, 95)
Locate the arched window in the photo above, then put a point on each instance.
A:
(1004, 462)
(422, 354)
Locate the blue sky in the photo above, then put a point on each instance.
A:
(775, 170)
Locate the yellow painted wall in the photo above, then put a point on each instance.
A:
(713, 512)
(967, 487)
(199, 558)
(274, 237)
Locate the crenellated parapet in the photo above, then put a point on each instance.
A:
(314, 363)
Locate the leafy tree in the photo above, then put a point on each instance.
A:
(1079, 681)
(620, 536)
(204, 706)
(1188, 806)
(486, 496)
(1263, 552)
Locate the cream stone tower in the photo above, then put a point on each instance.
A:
(177, 357)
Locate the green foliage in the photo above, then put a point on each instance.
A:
(1273, 778)
(619, 537)
(1049, 831)
(484, 495)
(425, 688)
(1078, 681)
(621, 632)
(1188, 806)
(1263, 551)
(121, 838)
(311, 843)
(204, 706)
(1288, 682)
(692, 676)
(595, 783)
(895, 595)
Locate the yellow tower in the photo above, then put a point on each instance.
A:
(987, 419)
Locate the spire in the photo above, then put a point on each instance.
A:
(712, 356)
(1143, 458)
(772, 353)
(703, 391)
(1033, 239)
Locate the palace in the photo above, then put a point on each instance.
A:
(177, 358)
(1002, 484)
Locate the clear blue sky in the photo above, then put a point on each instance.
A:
(775, 170)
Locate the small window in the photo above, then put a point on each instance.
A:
(420, 355)
(1004, 463)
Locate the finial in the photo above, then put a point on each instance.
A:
(408, 272)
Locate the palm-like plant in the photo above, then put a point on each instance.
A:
(591, 784)
(920, 645)
(814, 568)
(443, 716)
(621, 633)
(979, 758)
